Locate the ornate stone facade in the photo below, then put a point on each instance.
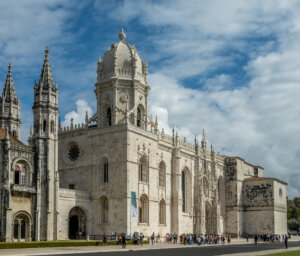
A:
(80, 179)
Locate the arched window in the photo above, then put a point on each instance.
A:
(139, 118)
(108, 117)
(186, 190)
(105, 170)
(144, 210)
(22, 173)
(104, 209)
(162, 174)
(162, 212)
(183, 191)
(220, 188)
(44, 125)
(205, 186)
(16, 228)
(23, 229)
(143, 169)
(280, 193)
(22, 226)
(52, 126)
(221, 195)
(14, 133)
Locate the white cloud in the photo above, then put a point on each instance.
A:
(77, 115)
(258, 120)
(28, 26)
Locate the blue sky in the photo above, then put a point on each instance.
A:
(231, 67)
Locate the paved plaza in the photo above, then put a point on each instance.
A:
(237, 248)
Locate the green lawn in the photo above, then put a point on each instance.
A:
(62, 243)
(290, 253)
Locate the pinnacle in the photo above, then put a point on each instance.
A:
(46, 50)
(9, 91)
(122, 35)
(46, 79)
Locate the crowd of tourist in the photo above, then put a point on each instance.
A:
(192, 239)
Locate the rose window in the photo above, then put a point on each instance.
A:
(74, 153)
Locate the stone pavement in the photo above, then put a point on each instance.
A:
(117, 248)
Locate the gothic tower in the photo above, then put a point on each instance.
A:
(122, 88)
(45, 143)
(10, 107)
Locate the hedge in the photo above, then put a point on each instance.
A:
(60, 243)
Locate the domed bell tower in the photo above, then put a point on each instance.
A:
(45, 143)
(122, 88)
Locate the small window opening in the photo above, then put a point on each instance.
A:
(52, 126)
(108, 117)
(105, 172)
(17, 177)
(44, 126)
(71, 186)
(139, 118)
(255, 171)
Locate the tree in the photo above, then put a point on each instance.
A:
(294, 224)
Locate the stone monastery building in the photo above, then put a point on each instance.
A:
(117, 172)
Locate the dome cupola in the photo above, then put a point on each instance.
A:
(122, 61)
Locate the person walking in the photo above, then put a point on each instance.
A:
(141, 238)
(255, 239)
(152, 238)
(123, 240)
(286, 241)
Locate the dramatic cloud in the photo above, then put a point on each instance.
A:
(231, 68)
(253, 116)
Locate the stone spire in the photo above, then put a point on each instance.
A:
(122, 35)
(86, 118)
(9, 94)
(212, 151)
(196, 145)
(98, 68)
(10, 107)
(46, 79)
(203, 141)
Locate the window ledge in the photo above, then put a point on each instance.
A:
(21, 189)
(162, 225)
(143, 224)
(185, 214)
(143, 182)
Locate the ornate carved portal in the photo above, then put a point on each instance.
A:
(77, 223)
(211, 225)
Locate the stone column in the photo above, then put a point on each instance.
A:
(19, 230)
(29, 231)
(9, 230)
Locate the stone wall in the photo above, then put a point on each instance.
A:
(265, 206)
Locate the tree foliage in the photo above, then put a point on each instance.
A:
(293, 214)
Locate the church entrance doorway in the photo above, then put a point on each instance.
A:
(77, 223)
(208, 218)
